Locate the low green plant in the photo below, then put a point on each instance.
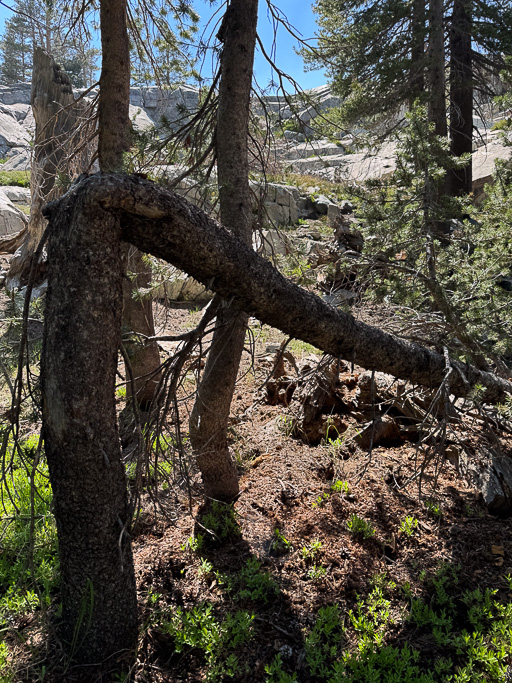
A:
(205, 568)
(372, 616)
(121, 391)
(311, 551)
(321, 500)
(286, 424)
(323, 642)
(276, 673)
(15, 178)
(6, 674)
(433, 508)
(19, 594)
(198, 630)
(220, 521)
(280, 545)
(360, 527)
(408, 526)
(193, 543)
(341, 487)
(462, 636)
(255, 584)
(317, 572)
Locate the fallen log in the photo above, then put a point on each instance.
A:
(165, 225)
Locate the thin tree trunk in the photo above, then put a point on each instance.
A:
(113, 110)
(417, 75)
(79, 360)
(209, 419)
(114, 141)
(461, 95)
(144, 358)
(166, 225)
(436, 76)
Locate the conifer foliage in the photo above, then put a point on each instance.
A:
(382, 55)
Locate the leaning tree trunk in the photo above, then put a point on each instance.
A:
(55, 117)
(164, 224)
(436, 77)
(209, 419)
(143, 360)
(461, 96)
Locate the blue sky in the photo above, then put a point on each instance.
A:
(298, 13)
(300, 16)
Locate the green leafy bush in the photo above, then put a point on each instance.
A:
(15, 178)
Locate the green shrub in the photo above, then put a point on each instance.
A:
(15, 178)
(16, 580)
(360, 527)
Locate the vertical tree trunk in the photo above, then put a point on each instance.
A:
(55, 117)
(417, 74)
(114, 142)
(461, 95)
(81, 341)
(82, 335)
(436, 61)
(209, 419)
(144, 358)
(113, 110)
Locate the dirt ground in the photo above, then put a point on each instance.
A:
(287, 485)
(289, 490)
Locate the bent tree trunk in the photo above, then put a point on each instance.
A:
(81, 341)
(209, 419)
(82, 328)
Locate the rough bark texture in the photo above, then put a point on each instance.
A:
(436, 59)
(461, 95)
(209, 419)
(144, 358)
(166, 225)
(417, 77)
(114, 141)
(113, 110)
(55, 117)
(81, 341)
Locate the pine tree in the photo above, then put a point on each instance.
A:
(161, 33)
(16, 51)
(47, 25)
(382, 55)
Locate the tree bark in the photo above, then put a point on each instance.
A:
(114, 127)
(55, 117)
(417, 72)
(166, 225)
(209, 419)
(461, 95)
(114, 130)
(79, 360)
(144, 358)
(436, 61)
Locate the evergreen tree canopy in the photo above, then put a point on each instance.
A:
(377, 52)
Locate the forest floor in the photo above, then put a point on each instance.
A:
(292, 547)
(339, 561)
